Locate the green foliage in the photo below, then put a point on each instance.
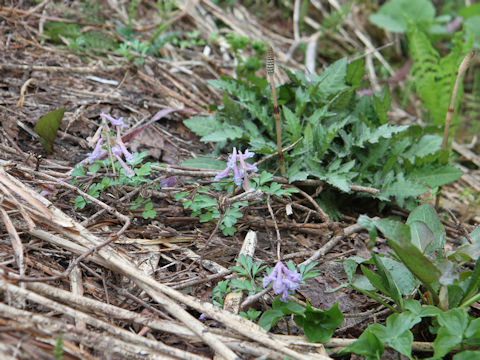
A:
(78, 40)
(420, 259)
(47, 128)
(434, 77)
(107, 184)
(343, 139)
(58, 349)
(395, 15)
(317, 325)
(451, 328)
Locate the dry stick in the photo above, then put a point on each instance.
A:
(279, 238)
(451, 108)
(276, 109)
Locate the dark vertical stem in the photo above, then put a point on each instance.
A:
(270, 65)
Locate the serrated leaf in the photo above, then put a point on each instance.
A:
(428, 144)
(47, 128)
(332, 79)
(402, 189)
(436, 175)
(223, 134)
(204, 163)
(202, 125)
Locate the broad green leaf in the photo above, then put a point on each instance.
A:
(388, 281)
(427, 214)
(472, 334)
(394, 15)
(453, 325)
(422, 236)
(467, 355)
(402, 277)
(204, 163)
(474, 282)
(368, 345)
(398, 236)
(318, 325)
(397, 332)
(269, 318)
(47, 128)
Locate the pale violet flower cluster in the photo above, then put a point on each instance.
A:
(285, 281)
(118, 150)
(236, 163)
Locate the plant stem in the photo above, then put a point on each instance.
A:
(276, 110)
(448, 118)
(451, 108)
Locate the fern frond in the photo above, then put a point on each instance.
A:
(435, 77)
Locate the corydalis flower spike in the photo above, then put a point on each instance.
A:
(285, 281)
(239, 173)
(114, 121)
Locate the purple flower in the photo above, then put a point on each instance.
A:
(284, 281)
(97, 153)
(239, 173)
(168, 182)
(128, 156)
(114, 121)
(117, 151)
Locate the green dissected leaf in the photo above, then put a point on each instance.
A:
(293, 123)
(332, 79)
(355, 72)
(381, 104)
(318, 325)
(204, 163)
(453, 324)
(223, 134)
(434, 176)
(395, 15)
(202, 125)
(428, 144)
(427, 214)
(47, 128)
(402, 189)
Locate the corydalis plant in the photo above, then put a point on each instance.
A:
(285, 281)
(118, 150)
(239, 171)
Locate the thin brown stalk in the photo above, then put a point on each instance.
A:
(276, 110)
